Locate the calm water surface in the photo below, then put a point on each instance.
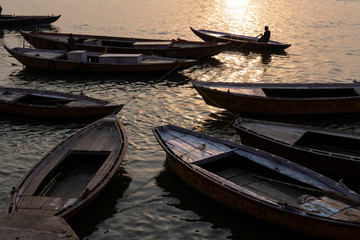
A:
(147, 201)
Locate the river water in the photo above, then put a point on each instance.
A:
(146, 201)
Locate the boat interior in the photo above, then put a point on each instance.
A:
(251, 175)
(82, 56)
(329, 143)
(268, 185)
(128, 43)
(25, 98)
(260, 180)
(37, 99)
(42, 100)
(71, 176)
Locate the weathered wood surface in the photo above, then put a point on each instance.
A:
(32, 226)
(192, 148)
(281, 133)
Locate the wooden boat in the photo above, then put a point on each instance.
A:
(166, 48)
(73, 173)
(261, 185)
(95, 62)
(282, 98)
(20, 21)
(240, 41)
(323, 150)
(53, 105)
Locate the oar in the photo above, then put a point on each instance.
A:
(255, 37)
(332, 194)
(248, 41)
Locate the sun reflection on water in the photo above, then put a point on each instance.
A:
(237, 14)
(237, 5)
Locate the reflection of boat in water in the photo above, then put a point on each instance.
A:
(87, 222)
(261, 184)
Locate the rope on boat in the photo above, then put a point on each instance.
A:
(145, 183)
(201, 146)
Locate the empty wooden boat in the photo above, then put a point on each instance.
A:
(53, 105)
(83, 61)
(282, 98)
(73, 173)
(239, 41)
(324, 150)
(178, 48)
(262, 185)
(7, 21)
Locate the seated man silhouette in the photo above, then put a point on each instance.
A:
(266, 36)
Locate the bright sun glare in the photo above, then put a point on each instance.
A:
(236, 12)
(237, 4)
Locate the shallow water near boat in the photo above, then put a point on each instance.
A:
(146, 200)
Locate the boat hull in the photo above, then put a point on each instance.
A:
(249, 104)
(176, 48)
(240, 42)
(7, 21)
(57, 65)
(231, 199)
(220, 190)
(323, 161)
(84, 107)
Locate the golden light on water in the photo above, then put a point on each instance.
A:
(237, 4)
(237, 13)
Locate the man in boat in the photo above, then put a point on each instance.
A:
(71, 42)
(266, 36)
